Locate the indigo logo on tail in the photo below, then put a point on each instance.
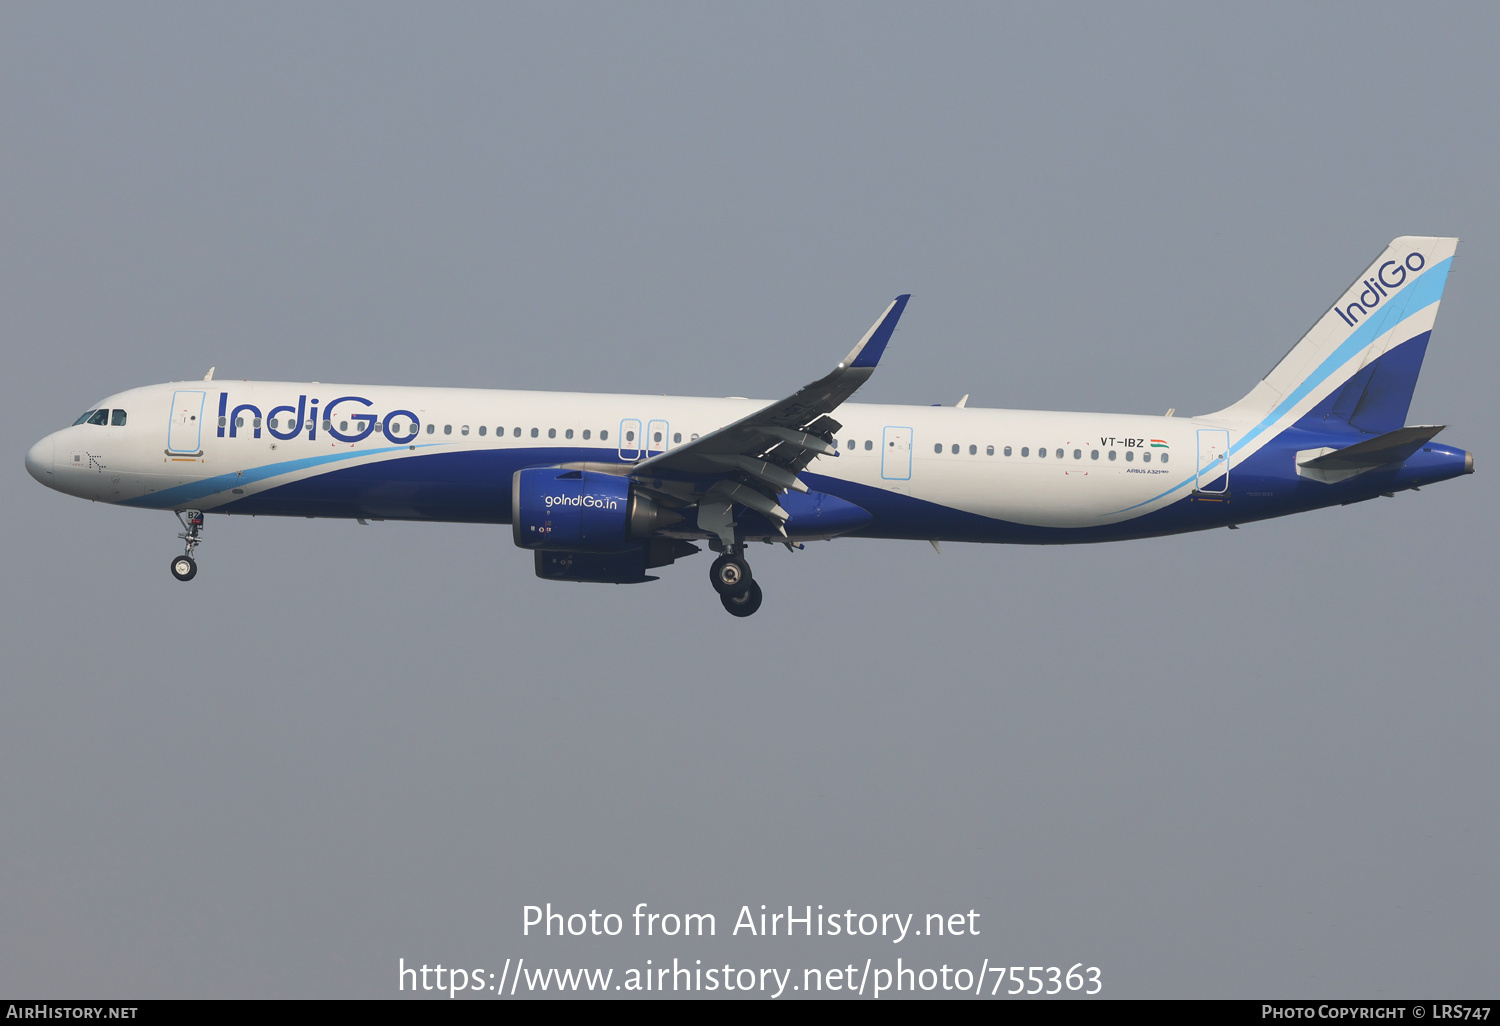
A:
(1381, 285)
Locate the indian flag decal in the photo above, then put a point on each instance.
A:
(1157, 443)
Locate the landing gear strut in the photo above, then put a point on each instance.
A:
(185, 567)
(730, 576)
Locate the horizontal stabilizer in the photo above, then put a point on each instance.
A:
(1334, 465)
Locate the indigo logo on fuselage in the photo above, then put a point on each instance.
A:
(398, 426)
(1390, 277)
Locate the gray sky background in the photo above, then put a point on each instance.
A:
(1228, 764)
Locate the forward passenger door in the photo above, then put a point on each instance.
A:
(184, 431)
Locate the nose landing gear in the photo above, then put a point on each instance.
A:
(185, 567)
(730, 576)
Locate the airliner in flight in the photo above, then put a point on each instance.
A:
(604, 488)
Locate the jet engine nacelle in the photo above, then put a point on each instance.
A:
(556, 509)
(628, 567)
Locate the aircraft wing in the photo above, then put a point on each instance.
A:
(754, 459)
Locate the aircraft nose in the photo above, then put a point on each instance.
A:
(39, 460)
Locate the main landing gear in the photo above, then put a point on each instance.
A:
(185, 567)
(730, 576)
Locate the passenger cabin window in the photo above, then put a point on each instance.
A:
(430, 427)
(1112, 454)
(1129, 455)
(1007, 450)
(1078, 454)
(955, 450)
(515, 432)
(585, 434)
(938, 447)
(464, 430)
(604, 436)
(851, 443)
(533, 432)
(117, 418)
(869, 445)
(482, 430)
(676, 436)
(1145, 457)
(568, 433)
(1164, 457)
(1025, 451)
(989, 450)
(1093, 454)
(973, 450)
(1041, 454)
(552, 432)
(447, 429)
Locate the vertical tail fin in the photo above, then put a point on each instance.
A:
(1358, 364)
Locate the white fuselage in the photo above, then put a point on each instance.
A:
(1045, 469)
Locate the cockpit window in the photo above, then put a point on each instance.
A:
(100, 417)
(117, 418)
(85, 418)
